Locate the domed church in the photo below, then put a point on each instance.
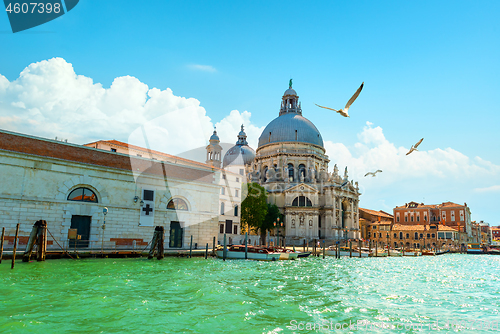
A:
(290, 163)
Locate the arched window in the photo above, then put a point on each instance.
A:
(177, 204)
(301, 201)
(236, 211)
(416, 235)
(302, 170)
(222, 208)
(83, 195)
(400, 235)
(264, 178)
(290, 172)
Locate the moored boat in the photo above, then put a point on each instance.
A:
(428, 253)
(474, 248)
(412, 252)
(303, 254)
(345, 251)
(253, 253)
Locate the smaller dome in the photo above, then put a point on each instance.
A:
(238, 156)
(290, 91)
(214, 136)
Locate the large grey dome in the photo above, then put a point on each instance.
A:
(290, 127)
(238, 155)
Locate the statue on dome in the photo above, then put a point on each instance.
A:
(290, 84)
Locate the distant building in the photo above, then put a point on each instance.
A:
(368, 217)
(447, 213)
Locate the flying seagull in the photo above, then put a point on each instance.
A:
(343, 112)
(373, 173)
(414, 147)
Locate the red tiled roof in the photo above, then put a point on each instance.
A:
(14, 142)
(377, 213)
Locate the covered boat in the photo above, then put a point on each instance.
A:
(253, 253)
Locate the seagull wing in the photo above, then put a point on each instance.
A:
(327, 108)
(378, 171)
(354, 97)
(368, 174)
(418, 143)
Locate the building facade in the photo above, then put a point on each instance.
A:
(290, 163)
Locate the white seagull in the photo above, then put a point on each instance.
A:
(343, 112)
(414, 147)
(373, 173)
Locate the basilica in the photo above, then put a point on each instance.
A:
(290, 163)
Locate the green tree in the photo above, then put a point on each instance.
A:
(273, 213)
(253, 207)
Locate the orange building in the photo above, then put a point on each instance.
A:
(448, 214)
(368, 217)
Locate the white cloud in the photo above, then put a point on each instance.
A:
(495, 188)
(203, 68)
(433, 176)
(50, 100)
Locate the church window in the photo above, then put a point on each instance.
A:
(265, 172)
(302, 170)
(290, 172)
(222, 208)
(177, 204)
(83, 195)
(301, 201)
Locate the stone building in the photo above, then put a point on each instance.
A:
(368, 217)
(290, 163)
(69, 185)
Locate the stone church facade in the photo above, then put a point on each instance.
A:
(291, 164)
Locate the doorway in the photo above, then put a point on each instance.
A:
(82, 225)
(176, 233)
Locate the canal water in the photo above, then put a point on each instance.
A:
(449, 293)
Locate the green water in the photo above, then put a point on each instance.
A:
(178, 295)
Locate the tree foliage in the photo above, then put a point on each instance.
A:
(253, 207)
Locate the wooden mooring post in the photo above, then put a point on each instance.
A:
(191, 248)
(38, 236)
(157, 243)
(314, 248)
(224, 250)
(337, 253)
(359, 246)
(206, 252)
(376, 248)
(15, 246)
(213, 247)
(246, 245)
(304, 247)
(1, 244)
(350, 248)
(324, 251)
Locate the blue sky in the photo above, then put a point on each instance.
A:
(430, 69)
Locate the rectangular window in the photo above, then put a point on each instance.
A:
(428, 235)
(229, 226)
(425, 218)
(406, 218)
(433, 235)
(237, 179)
(452, 216)
(235, 229)
(241, 171)
(397, 219)
(221, 230)
(223, 176)
(418, 218)
(236, 193)
(113, 150)
(411, 218)
(223, 191)
(441, 235)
